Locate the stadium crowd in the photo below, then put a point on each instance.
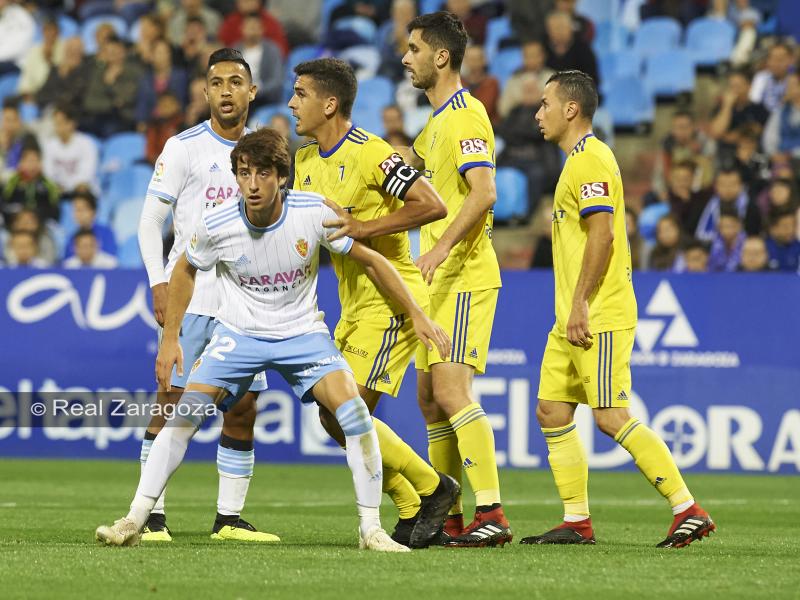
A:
(91, 91)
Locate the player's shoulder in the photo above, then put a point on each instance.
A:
(306, 151)
(465, 110)
(302, 199)
(189, 136)
(221, 217)
(591, 153)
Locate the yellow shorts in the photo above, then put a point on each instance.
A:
(378, 350)
(467, 318)
(599, 376)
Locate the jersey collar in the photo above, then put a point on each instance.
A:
(272, 227)
(582, 141)
(450, 99)
(219, 138)
(338, 145)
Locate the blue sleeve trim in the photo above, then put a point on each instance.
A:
(348, 247)
(470, 165)
(162, 195)
(593, 209)
(194, 264)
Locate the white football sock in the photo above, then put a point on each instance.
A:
(145, 452)
(235, 468)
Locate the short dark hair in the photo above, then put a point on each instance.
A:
(332, 76)
(727, 170)
(744, 72)
(86, 196)
(682, 112)
(695, 244)
(68, 110)
(776, 213)
(12, 103)
(194, 19)
(578, 86)
(729, 211)
(443, 30)
(687, 164)
(228, 55)
(85, 232)
(265, 148)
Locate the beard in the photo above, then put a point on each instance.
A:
(425, 79)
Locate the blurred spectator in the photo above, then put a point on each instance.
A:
(682, 10)
(769, 84)
(582, 26)
(110, 102)
(84, 213)
(17, 30)
(543, 226)
(40, 59)
(29, 188)
(194, 47)
(301, 20)
(476, 79)
(751, 163)
(565, 51)
(23, 250)
(782, 133)
(685, 203)
(525, 147)
(28, 221)
(69, 157)
(729, 192)
(265, 60)
(14, 137)
(280, 123)
(694, 258)
(782, 244)
(726, 247)
(534, 57)
(230, 32)
(398, 139)
(393, 42)
(474, 21)
(189, 9)
(746, 19)
(151, 30)
(392, 118)
(165, 121)
(376, 11)
(197, 109)
(68, 81)
(87, 253)
(161, 77)
(635, 240)
(666, 251)
(528, 18)
(735, 109)
(754, 255)
(780, 193)
(104, 34)
(684, 143)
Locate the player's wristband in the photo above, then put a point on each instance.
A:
(399, 179)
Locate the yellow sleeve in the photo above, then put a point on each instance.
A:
(298, 160)
(471, 140)
(591, 183)
(419, 144)
(382, 167)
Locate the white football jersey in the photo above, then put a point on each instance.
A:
(194, 174)
(267, 276)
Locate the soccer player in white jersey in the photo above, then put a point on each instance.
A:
(265, 251)
(190, 177)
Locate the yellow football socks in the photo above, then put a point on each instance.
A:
(444, 456)
(402, 493)
(570, 469)
(399, 457)
(654, 461)
(476, 448)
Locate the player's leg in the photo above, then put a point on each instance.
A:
(560, 381)
(610, 410)
(166, 455)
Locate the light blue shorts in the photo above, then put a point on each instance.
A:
(196, 333)
(232, 360)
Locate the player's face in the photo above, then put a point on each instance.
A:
(308, 106)
(259, 185)
(229, 92)
(419, 61)
(551, 115)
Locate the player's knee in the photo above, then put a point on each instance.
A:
(242, 415)
(331, 425)
(552, 414)
(610, 420)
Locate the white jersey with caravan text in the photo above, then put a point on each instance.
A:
(193, 174)
(267, 276)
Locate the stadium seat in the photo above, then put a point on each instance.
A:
(374, 93)
(328, 7)
(603, 126)
(261, 116)
(365, 60)
(599, 11)
(614, 65)
(68, 27)
(125, 222)
(669, 74)
(28, 112)
(296, 56)
(429, 6)
(129, 255)
(629, 102)
(505, 63)
(497, 30)
(648, 219)
(512, 194)
(609, 37)
(95, 8)
(363, 27)
(8, 85)
(90, 26)
(121, 150)
(656, 35)
(125, 184)
(710, 41)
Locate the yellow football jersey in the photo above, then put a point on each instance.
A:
(457, 137)
(360, 173)
(591, 182)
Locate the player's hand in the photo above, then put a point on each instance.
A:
(346, 224)
(430, 261)
(578, 333)
(169, 354)
(159, 302)
(431, 334)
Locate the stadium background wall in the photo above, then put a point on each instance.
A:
(716, 371)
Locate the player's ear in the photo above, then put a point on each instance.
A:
(253, 92)
(331, 106)
(571, 109)
(442, 56)
(282, 181)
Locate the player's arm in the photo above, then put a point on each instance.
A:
(479, 200)
(410, 157)
(388, 280)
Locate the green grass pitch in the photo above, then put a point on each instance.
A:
(49, 509)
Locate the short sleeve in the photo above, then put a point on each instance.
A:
(340, 246)
(201, 252)
(170, 173)
(471, 141)
(382, 167)
(591, 185)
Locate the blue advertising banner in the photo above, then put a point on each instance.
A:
(716, 372)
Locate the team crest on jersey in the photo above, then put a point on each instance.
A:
(474, 146)
(159, 172)
(597, 189)
(193, 241)
(301, 246)
(196, 364)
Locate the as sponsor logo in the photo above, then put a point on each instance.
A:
(390, 163)
(597, 189)
(474, 146)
